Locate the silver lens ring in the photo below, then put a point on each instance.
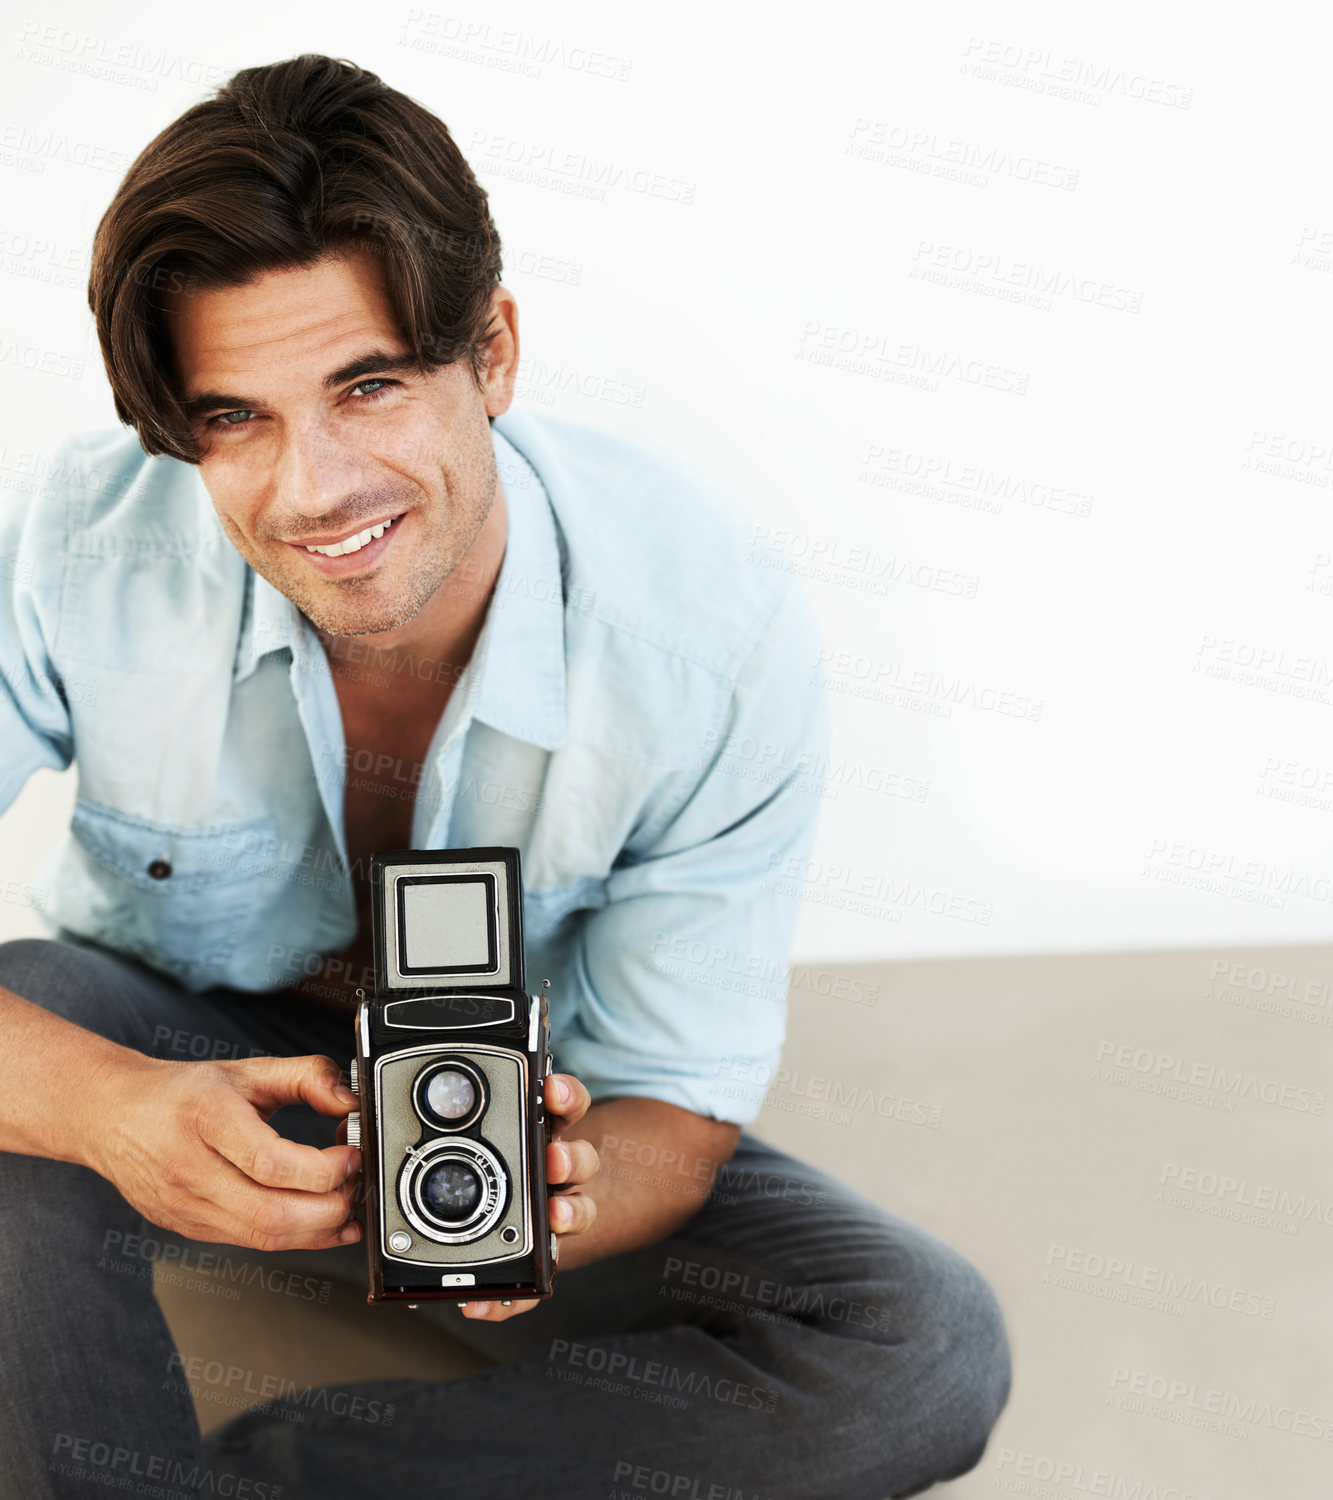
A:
(492, 1182)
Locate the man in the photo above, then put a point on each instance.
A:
(331, 596)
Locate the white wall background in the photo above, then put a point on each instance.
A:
(1026, 302)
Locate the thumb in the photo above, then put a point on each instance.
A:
(271, 1082)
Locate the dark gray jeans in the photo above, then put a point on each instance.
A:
(792, 1340)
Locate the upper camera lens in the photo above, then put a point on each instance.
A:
(451, 1191)
(451, 1094)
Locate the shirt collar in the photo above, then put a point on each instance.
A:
(517, 672)
(269, 622)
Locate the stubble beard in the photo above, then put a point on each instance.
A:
(348, 607)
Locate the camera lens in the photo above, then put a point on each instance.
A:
(451, 1191)
(454, 1190)
(451, 1094)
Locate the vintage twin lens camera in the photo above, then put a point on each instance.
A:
(451, 1056)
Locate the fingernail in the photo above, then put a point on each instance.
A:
(566, 1160)
(353, 1167)
(559, 1212)
(562, 1091)
(352, 1232)
(476, 1309)
(344, 1093)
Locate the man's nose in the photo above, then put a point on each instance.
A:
(316, 471)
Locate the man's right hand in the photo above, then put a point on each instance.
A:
(188, 1145)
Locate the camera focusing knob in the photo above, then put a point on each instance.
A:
(354, 1129)
(351, 1077)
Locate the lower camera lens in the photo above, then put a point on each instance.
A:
(451, 1191)
(454, 1190)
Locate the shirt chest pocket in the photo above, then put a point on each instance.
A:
(182, 899)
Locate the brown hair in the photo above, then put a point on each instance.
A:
(285, 164)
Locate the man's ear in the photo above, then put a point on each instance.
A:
(499, 356)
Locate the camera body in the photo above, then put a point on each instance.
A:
(451, 1058)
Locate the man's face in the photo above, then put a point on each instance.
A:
(318, 431)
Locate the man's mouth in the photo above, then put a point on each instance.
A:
(353, 543)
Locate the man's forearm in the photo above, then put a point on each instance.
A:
(52, 1067)
(658, 1162)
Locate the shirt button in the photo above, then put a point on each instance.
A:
(159, 869)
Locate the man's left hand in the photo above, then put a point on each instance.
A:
(569, 1164)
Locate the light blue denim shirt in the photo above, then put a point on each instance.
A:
(641, 718)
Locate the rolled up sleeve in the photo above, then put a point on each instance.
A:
(680, 979)
(34, 715)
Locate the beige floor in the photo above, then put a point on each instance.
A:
(1198, 1366)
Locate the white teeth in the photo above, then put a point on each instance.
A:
(354, 543)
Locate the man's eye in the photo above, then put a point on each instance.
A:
(377, 381)
(234, 418)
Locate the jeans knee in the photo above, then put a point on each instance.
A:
(945, 1355)
(965, 1343)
